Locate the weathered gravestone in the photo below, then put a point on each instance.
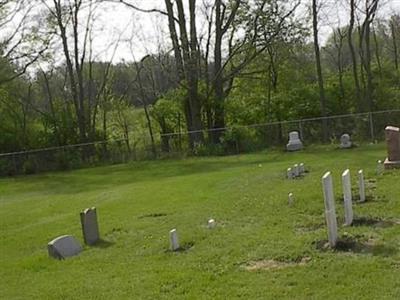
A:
(64, 246)
(290, 199)
(330, 213)
(296, 170)
(345, 141)
(294, 143)
(302, 168)
(348, 209)
(174, 241)
(361, 185)
(90, 227)
(379, 167)
(393, 147)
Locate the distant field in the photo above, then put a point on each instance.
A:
(261, 248)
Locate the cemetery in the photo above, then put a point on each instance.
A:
(233, 226)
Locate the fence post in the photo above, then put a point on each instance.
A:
(301, 131)
(371, 127)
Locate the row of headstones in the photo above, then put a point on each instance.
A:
(174, 240)
(295, 143)
(66, 245)
(296, 171)
(330, 212)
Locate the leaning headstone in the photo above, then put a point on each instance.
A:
(64, 246)
(393, 146)
(379, 167)
(345, 141)
(290, 199)
(348, 209)
(90, 227)
(211, 224)
(289, 173)
(294, 143)
(302, 168)
(361, 185)
(296, 170)
(173, 238)
(330, 213)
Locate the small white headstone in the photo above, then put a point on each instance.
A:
(345, 141)
(330, 213)
(173, 238)
(348, 209)
(290, 199)
(301, 168)
(296, 170)
(90, 227)
(290, 173)
(211, 224)
(64, 246)
(294, 142)
(361, 185)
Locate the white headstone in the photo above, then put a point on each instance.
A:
(90, 227)
(211, 224)
(345, 141)
(301, 168)
(294, 142)
(348, 209)
(361, 185)
(290, 173)
(64, 246)
(330, 213)
(290, 199)
(173, 238)
(380, 167)
(296, 170)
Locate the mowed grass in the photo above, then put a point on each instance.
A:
(138, 203)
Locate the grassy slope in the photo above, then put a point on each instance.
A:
(248, 201)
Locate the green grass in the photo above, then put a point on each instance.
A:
(247, 195)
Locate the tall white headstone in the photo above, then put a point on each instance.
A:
(330, 213)
(361, 185)
(174, 241)
(348, 209)
(379, 167)
(296, 170)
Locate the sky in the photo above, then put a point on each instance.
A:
(140, 34)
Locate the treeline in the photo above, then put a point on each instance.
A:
(253, 62)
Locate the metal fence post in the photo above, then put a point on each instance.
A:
(371, 127)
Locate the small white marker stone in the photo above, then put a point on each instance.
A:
(173, 238)
(289, 173)
(290, 199)
(211, 224)
(379, 167)
(301, 168)
(361, 185)
(296, 170)
(348, 209)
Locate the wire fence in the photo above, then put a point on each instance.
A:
(362, 127)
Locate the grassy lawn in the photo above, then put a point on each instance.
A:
(261, 248)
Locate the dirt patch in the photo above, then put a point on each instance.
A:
(272, 264)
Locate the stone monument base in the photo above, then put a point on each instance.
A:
(391, 164)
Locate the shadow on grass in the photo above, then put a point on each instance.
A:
(352, 245)
(153, 215)
(374, 222)
(103, 244)
(183, 248)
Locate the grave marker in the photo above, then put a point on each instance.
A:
(296, 170)
(393, 147)
(90, 227)
(64, 246)
(361, 185)
(301, 168)
(289, 173)
(211, 224)
(330, 214)
(290, 199)
(294, 143)
(174, 241)
(345, 141)
(348, 209)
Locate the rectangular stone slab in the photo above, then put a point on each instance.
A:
(330, 213)
(90, 227)
(393, 143)
(348, 208)
(64, 246)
